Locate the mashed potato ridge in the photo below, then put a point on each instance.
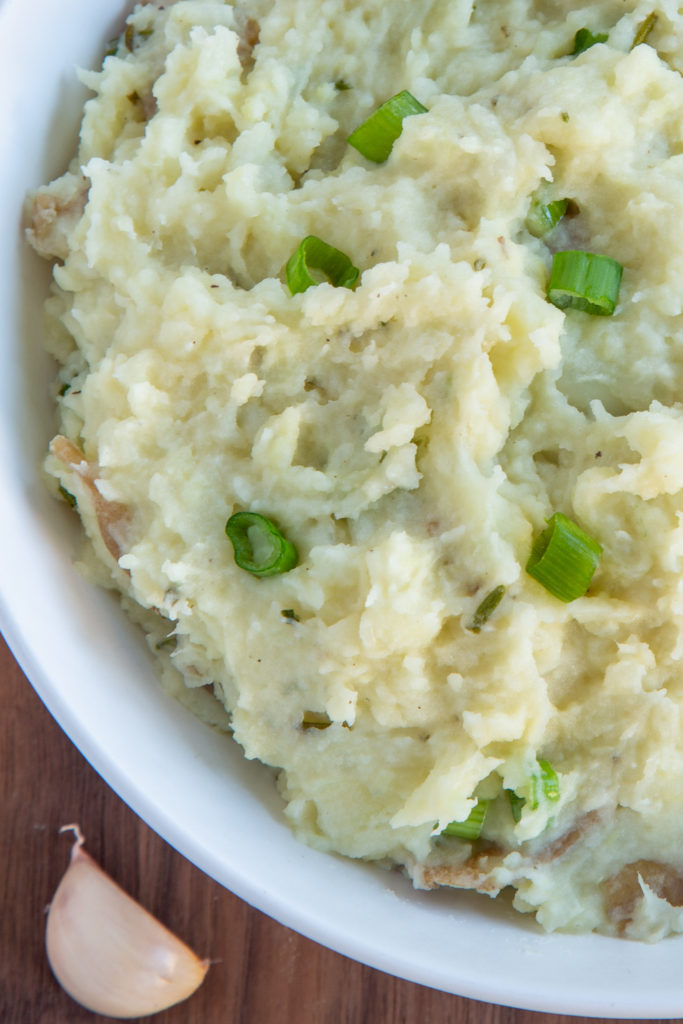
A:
(411, 435)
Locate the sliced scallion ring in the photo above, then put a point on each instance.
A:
(312, 254)
(584, 39)
(545, 782)
(543, 217)
(375, 137)
(517, 803)
(563, 558)
(550, 783)
(259, 546)
(471, 827)
(587, 281)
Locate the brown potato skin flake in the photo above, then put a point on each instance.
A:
(113, 517)
(474, 873)
(565, 842)
(622, 892)
(249, 37)
(53, 214)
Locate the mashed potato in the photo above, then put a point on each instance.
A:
(411, 435)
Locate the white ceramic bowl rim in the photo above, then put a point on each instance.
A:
(93, 671)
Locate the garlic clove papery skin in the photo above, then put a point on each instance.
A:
(109, 953)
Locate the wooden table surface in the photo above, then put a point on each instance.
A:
(262, 973)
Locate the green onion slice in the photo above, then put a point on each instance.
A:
(563, 558)
(587, 281)
(644, 29)
(375, 137)
(516, 804)
(486, 609)
(471, 827)
(549, 781)
(314, 254)
(543, 217)
(584, 39)
(259, 546)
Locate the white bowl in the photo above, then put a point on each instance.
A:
(93, 671)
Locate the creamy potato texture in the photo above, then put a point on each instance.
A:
(411, 435)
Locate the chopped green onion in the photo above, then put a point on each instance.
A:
(644, 29)
(549, 786)
(543, 217)
(563, 558)
(584, 39)
(549, 781)
(314, 254)
(315, 720)
(516, 804)
(259, 546)
(375, 137)
(471, 827)
(584, 280)
(486, 609)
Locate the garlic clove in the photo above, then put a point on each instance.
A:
(109, 953)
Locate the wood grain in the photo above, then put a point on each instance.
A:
(262, 973)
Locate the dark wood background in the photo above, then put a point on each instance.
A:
(262, 973)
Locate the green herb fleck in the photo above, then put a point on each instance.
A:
(68, 496)
(584, 39)
(342, 86)
(315, 720)
(168, 641)
(289, 613)
(644, 29)
(486, 609)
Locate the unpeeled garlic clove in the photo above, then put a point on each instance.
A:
(109, 953)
